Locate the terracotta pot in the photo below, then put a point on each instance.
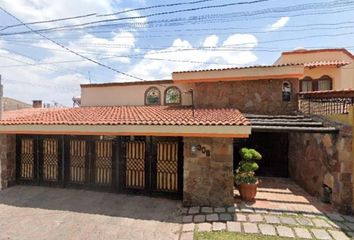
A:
(248, 191)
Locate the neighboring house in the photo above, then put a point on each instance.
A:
(10, 104)
(180, 137)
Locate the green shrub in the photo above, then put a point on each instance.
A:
(247, 166)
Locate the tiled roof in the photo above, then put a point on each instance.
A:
(309, 51)
(340, 93)
(306, 64)
(126, 115)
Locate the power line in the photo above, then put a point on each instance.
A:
(47, 21)
(154, 7)
(209, 18)
(71, 51)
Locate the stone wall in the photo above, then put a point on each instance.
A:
(257, 96)
(316, 159)
(7, 160)
(208, 180)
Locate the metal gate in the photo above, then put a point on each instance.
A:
(152, 164)
(137, 164)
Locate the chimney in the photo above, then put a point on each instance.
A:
(1, 100)
(37, 104)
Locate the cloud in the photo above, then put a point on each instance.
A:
(237, 51)
(278, 24)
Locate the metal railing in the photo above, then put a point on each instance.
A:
(326, 102)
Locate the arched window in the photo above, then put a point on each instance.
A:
(306, 85)
(173, 96)
(325, 83)
(152, 96)
(286, 91)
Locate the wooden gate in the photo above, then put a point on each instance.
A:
(152, 164)
(144, 164)
(26, 171)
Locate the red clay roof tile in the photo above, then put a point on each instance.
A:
(126, 115)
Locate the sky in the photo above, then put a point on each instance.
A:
(151, 43)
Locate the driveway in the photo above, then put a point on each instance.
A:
(29, 212)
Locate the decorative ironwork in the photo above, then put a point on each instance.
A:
(135, 164)
(103, 162)
(50, 159)
(167, 164)
(326, 102)
(152, 96)
(27, 159)
(77, 161)
(173, 96)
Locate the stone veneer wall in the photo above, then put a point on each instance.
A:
(7, 160)
(208, 180)
(316, 159)
(256, 96)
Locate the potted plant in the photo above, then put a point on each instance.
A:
(245, 179)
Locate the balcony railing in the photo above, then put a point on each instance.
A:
(326, 102)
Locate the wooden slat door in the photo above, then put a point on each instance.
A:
(27, 159)
(77, 162)
(51, 160)
(167, 167)
(103, 162)
(135, 171)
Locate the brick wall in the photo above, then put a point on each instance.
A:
(316, 159)
(208, 180)
(258, 96)
(7, 160)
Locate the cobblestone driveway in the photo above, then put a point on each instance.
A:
(28, 212)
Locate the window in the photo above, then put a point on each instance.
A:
(324, 83)
(152, 96)
(286, 91)
(308, 84)
(173, 96)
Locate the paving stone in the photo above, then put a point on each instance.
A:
(189, 227)
(231, 209)
(207, 210)
(255, 218)
(250, 228)
(246, 210)
(321, 223)
(309, 215)
(275, 213)
(187, 236)
(219, 210)
(267, 229)
(348, 218)
(321, 234)
(225, 217)
(199, 218)
(335, 217)
(261, 211)
(285, 231)
(212, 217)
(271, 219)
(194, 210)
(350, 225)
(233, 226)
(218, 226)
(203, 227)
(338, 235)
(240, 217)
(340, 225)
(304, 221)
(302, 233)
(187, 219)
(287, 220)
(184, 211)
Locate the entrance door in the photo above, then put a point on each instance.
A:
(26, 160)
(152, 164)
(91, 162)
(50, 160)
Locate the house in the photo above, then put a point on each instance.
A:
(180, 137)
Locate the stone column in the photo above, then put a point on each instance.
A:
(7, 160)
(208, 179)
